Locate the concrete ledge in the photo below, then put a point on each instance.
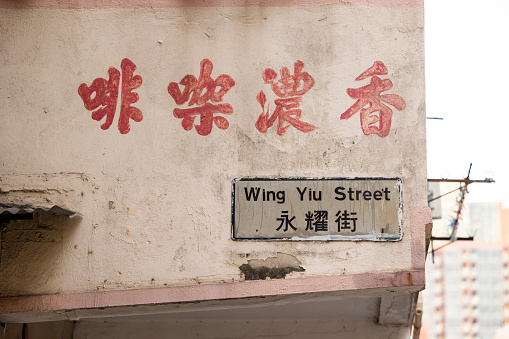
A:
(370, 285)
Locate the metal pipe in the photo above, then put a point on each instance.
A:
(487, 180)
(417, 318)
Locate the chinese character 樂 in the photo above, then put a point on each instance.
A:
(289, 88)
(199, 92)
(375, 116)
(106, 95)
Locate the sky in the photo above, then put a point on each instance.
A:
(467, 84)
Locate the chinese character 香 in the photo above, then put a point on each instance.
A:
(375, 116)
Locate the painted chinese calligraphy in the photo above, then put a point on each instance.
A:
(370, 101)
(194, 89)
(106, 95)
(290, 89)
(206, 94)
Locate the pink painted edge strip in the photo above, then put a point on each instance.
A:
(245, 289)
(419, 217)
(102, 4)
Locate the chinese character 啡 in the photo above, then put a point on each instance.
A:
(199, 92)
(289, 88)
(375, 115)
(106, 95)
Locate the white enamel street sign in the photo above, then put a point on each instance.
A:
(317, 209)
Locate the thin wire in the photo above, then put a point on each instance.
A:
(436, 249)
(444, 194)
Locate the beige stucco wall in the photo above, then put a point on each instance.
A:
(156, 202)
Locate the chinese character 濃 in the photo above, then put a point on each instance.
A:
(289, 88)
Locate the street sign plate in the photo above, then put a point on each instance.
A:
(317, 209)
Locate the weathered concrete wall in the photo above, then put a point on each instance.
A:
(156, 199)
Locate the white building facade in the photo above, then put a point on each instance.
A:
(141, 116)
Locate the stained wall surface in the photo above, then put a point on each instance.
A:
(153, 185)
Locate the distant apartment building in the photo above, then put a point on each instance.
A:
(467, 282)
(466, 291)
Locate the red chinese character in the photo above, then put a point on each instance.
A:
(370, 101)
(290, 89)
(200, 91)
(106, 95)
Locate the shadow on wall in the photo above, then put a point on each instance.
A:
(33, 253)
(43, 330)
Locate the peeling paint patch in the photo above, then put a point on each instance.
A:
(273, 267)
